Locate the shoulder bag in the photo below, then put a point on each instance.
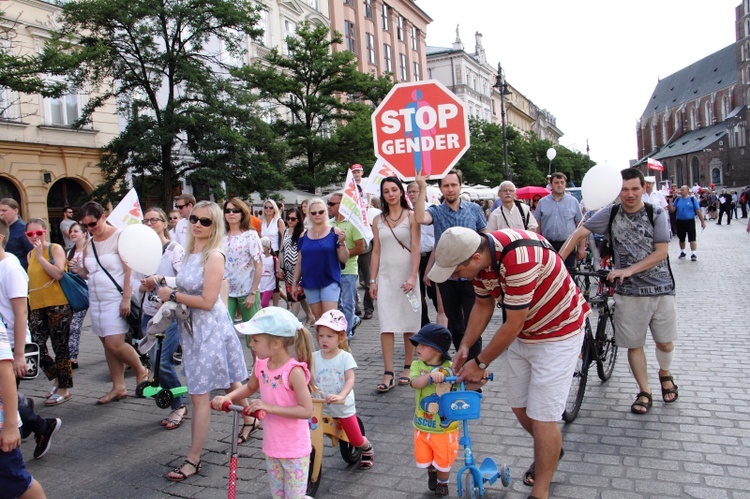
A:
(75, 289)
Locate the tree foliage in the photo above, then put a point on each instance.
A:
(162, 61)
(483, 163)
(327, 99)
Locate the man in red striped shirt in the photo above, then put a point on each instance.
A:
(542, 332)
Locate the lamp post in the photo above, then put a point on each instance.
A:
(502, 88)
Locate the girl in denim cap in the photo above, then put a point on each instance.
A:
(334, 375)
(285, 384)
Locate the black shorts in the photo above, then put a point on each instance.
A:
(686, 227)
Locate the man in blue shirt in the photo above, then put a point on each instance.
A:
(17, 243)
(686, 208)
(558, 215)
(457, 295)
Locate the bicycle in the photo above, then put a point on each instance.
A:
(601, 347)
(463, 405)
(321, 426)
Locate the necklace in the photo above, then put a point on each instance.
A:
(397, 218)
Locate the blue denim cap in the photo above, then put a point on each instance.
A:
(435, 336)
(275, 321)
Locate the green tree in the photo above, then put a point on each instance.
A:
(162, 61)
(327, 100)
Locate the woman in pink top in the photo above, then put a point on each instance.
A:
(285, 385)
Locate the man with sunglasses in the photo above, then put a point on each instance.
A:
(65, 225)
(184, 204)
(355, 243)
(17, 243)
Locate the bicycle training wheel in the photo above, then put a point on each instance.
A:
(580, 377)
(605, 346)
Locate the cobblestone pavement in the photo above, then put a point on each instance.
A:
(696, 447)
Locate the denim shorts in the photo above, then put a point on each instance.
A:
(14, 479)
(328, 293)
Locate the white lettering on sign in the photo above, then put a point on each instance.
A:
(425, 117)
(420, 144)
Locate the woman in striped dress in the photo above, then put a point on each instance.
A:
(289, 261)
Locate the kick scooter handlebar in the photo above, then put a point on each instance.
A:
(453, 379)
(228, 406)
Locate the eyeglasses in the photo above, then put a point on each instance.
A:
(206, 222)
(38, 233)
(291, 219)
(91, 225)
(151, 221)
(331, 203)
(180, 206)
(507, 191)
(232, 210)
(317, 212)
(174, 218)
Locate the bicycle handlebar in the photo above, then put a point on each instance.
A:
(453, 379)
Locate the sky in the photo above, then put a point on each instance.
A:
(592, 65)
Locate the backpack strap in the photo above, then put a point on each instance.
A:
(524, 215)
(496, 262)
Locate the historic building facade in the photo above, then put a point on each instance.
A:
(472, 78)
(695, 122)
(386, 36)
(44, 163)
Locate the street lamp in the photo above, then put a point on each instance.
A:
(502, 87)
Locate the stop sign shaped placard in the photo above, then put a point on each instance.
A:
(420, 126)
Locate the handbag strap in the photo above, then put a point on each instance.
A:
(119, 288)
(385, 219)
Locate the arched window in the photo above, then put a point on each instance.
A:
(653, 135)
(708, 115)
(747, 27)
(716, 176)
(664, 131)
(694, 170)
(692, 119)
(724, 107)
(677, 124)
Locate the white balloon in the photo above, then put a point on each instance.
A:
(551, 153)
(140, 248)
(601, 185)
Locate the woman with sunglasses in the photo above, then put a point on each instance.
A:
(50, 312)
(174, 217)
(394, 272)
(212, 355)
(321, 252)
(172, 256)
(244, 264)
(80, 238)
(108, 306)
(289, 256)
(273, 227)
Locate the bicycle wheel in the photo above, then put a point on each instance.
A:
(351, 454)
(606, 347)
(580, 377)
(312, 487)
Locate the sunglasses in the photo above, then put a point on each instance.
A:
(151, 221)
(268, 207)
(232, 210)
(206, 222)
(317, 212)
(38, 233)
(174, 218)
(331, 203)
(180, 206)
(91, 225)
(291, 219)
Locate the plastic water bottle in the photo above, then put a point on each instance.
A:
(413, 300)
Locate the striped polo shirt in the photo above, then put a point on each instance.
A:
(535, 278)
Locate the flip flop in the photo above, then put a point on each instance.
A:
(111, 397)
(57, 399)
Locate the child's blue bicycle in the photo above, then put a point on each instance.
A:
(463, 405)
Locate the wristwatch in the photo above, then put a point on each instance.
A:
(173, 296)
(481, 364)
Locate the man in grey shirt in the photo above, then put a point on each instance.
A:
(558, 215)
(645, 291)
(65, 225)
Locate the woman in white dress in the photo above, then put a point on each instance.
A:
(273, 227)
(396, 238)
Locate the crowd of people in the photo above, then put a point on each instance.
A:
(231, 270)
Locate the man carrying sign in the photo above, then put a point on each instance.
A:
(457, 294)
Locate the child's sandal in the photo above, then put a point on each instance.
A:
(367, 459)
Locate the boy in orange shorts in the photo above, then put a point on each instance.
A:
(435, 441)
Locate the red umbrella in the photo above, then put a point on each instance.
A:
(530, 191)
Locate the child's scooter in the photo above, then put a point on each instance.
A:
(151, 388)
(237, 411)
(463, 405)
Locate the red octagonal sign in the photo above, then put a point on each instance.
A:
(420, 126)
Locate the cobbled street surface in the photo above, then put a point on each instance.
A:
(696, 447)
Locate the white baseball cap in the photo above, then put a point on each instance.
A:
(650, 179)
(456, 245)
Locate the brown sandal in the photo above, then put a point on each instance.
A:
(639, 404)
(668, 391)
(177, 475)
